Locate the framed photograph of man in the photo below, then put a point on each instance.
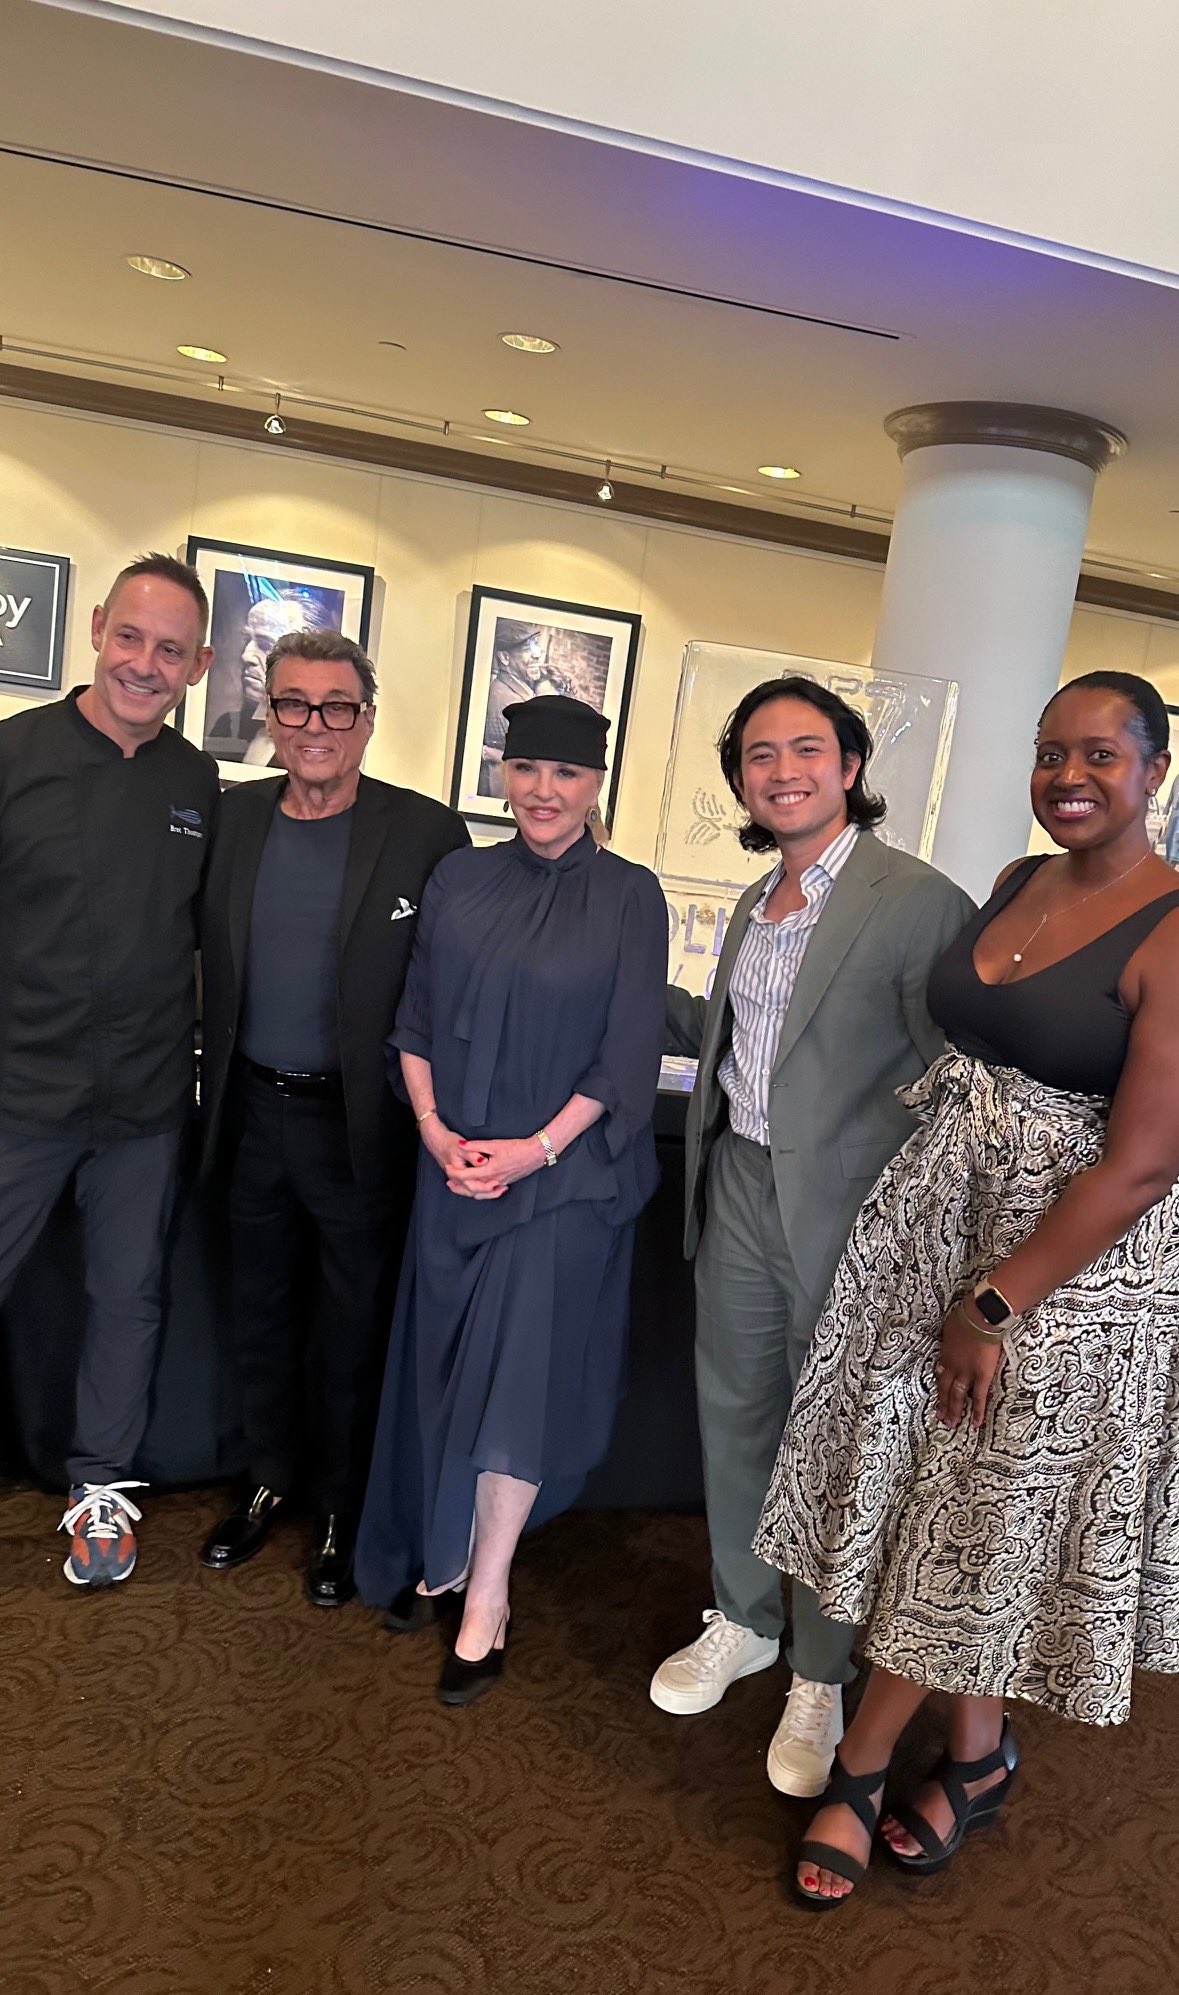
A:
(1163, 822)
(517, 647)
(33, 590)
(257, 595)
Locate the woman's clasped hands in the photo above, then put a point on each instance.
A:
(483, 1169)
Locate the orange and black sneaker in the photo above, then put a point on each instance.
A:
(99, 1519)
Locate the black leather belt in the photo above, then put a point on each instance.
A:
(284, 1082)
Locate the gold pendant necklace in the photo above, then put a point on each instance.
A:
(1092, 895)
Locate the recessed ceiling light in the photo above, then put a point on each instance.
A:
(778, 471)
(203, 353)
(529, 343)
(511, 416)
(158, 266)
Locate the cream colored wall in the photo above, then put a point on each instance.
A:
(103, 491)
(1106, 641)
(1052, 119)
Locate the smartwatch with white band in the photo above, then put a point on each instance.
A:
(993, 1306)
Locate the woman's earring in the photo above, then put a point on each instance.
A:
(507, 806)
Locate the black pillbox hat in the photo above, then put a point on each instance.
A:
(554, 728)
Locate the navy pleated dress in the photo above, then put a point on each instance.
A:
(531, 980)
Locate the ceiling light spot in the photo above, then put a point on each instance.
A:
(778, 471)
(529, 343)
(606, 488)
(158, 266)
(274, 424)
(203, 353)
(510, 416)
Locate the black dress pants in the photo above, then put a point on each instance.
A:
(125, 1193)
(313, 1269)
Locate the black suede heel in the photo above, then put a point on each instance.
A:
(461, 1682)
(409, 1611)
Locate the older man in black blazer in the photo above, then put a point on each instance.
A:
(308, 925)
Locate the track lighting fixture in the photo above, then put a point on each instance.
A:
(274, 424)
(606, 489)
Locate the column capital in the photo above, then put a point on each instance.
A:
(1017, 425)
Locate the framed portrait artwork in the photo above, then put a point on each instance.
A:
(520, 646)
(1163, 822)
(257, 595)
(33, 591)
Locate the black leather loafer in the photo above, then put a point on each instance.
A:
(461, 1682)
(329, 1572)
(243, 1533)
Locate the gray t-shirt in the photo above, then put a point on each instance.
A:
(289, 1008)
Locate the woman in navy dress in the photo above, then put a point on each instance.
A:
(528, 1041)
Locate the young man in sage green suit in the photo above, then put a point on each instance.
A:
(817, 1016)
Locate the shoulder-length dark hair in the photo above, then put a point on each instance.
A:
(851, 732)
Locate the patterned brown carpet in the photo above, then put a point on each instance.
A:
(210, 1788)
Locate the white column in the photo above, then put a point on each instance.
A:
(982, 571)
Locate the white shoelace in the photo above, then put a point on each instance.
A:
(808, 1713)
(717, 1645)
(103, 1500)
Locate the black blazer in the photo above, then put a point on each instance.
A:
(398, 838)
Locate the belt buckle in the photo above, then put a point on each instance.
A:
(302, 1087)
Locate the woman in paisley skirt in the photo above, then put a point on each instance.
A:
(981, 1465)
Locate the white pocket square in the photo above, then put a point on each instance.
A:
(403, 910)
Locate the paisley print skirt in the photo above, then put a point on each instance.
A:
(1038, 1555)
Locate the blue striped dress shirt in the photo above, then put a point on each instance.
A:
(762, 986)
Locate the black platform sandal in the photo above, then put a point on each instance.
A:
(953, 1776)
(847, 1790)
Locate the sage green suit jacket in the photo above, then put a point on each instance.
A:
(857, 1027)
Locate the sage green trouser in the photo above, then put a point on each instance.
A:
(754, 1322)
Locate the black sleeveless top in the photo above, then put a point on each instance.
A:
(1064, 1025)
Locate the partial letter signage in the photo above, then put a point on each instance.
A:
(32, 618)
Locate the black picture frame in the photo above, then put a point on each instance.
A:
(555, 645)
(1165, 828)
(221, 713)
(34, 592)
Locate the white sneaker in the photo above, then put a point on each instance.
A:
(696, 1678)
(803, 1747)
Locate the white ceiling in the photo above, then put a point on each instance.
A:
(708, 386)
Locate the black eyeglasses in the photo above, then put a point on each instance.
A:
(338, 715)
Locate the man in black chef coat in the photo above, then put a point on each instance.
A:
(106, 820)
(310, 914)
